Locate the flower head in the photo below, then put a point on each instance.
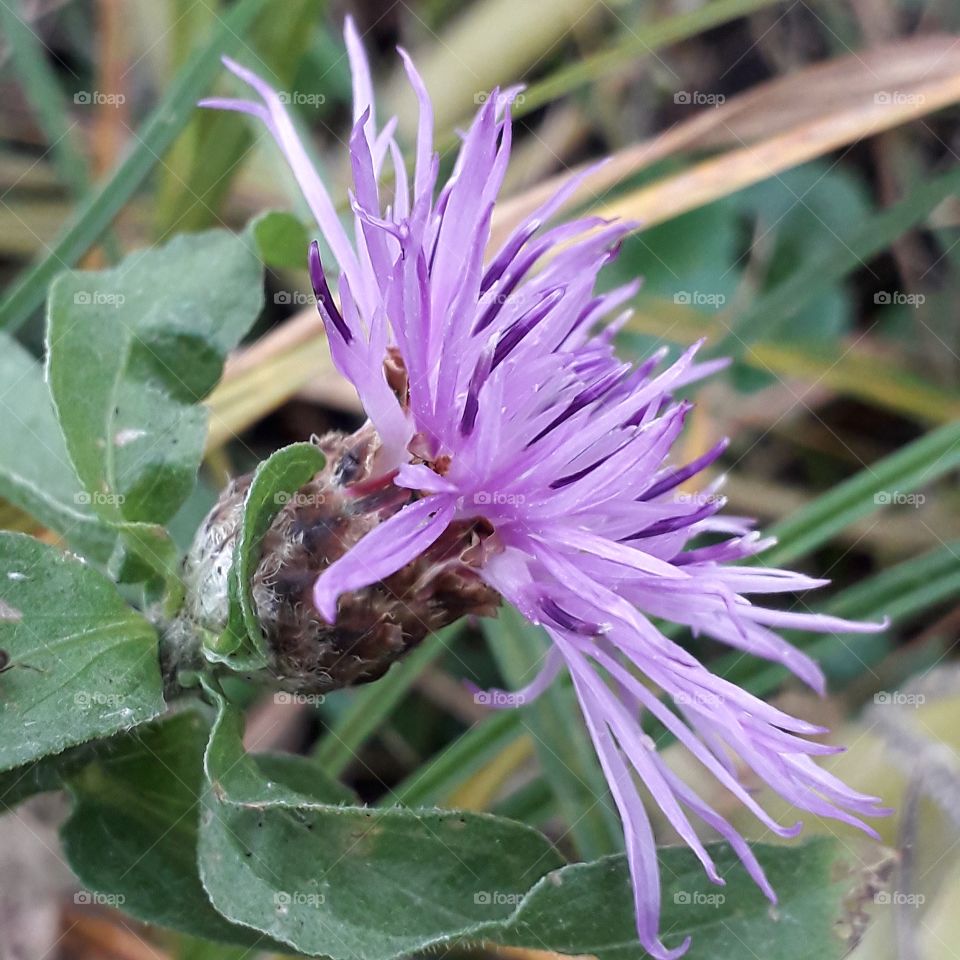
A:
(493, 386)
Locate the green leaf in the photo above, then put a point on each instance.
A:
(370, 707)
(351, 882)
(190, 948)
(795, 229)
(282, 240)
(52, 772)
(587, 909)
(41, 776)
(150, 554)
(85, 664)
(240, 777)
(563, 746)
(275, 480)
(691, 258)
(131, 353)
(132, 834)
(831, 261)
(151, 142)
(35, 469)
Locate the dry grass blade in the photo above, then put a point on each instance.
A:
(263, 376)
(856, 370)
(776, 126)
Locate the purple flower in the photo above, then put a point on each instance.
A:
(517, 413)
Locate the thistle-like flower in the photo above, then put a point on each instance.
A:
(501, 412)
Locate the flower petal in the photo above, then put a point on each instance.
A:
(383, 551)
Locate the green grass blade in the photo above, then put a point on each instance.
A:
(371, 706)
(912, 466)
(903, 590)
(40, 87)
(437, 779)
(158, 133)
(534, 803)
(201, 167)
(640, 41)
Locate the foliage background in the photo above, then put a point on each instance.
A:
(795, 168)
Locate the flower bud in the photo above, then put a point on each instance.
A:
(314, 527)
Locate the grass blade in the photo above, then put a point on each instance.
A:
(158, 133)
(437, 779)
(918, 463)
(371, 706)
(900, 592)
(880, 380)
(642, 41)
(40, 87)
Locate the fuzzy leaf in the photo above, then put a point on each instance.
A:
(132, 835)
(275, 481)
(348, 881)
(586, 908)
(35, 469)
(84, 664)
(132, 352)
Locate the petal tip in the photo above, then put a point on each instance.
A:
(325, 600)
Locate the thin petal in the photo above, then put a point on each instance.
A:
(382, 552)
(498, 699)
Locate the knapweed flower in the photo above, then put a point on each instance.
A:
(500, 408)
